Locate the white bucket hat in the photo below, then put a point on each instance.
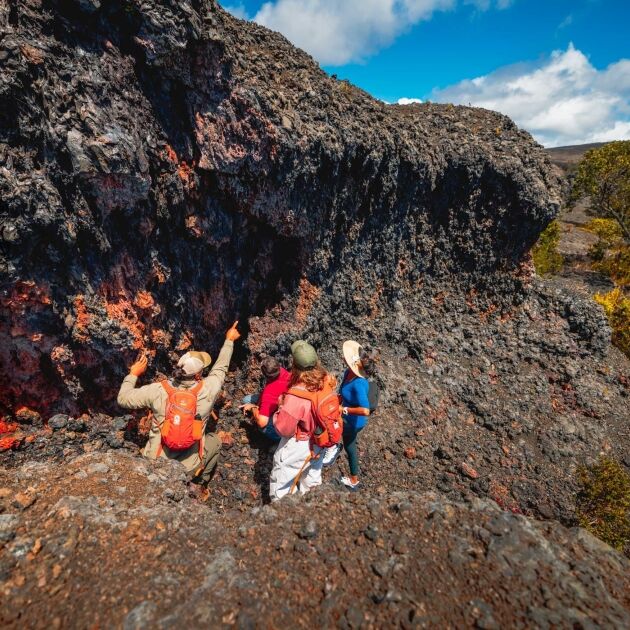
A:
(352, 356)
(193, 362)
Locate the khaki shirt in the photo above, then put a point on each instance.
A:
(154, 397)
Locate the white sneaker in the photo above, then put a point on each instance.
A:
(331, 454)
(353, 487)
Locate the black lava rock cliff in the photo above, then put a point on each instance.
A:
(165, 168)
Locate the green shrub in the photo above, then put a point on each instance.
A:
(608, 230)
(545, 253)
(611, 254)
(603, 502)
(617, 308)
(597, 252)
(616, 266)
(603, 176)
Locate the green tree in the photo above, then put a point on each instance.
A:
(604, 176)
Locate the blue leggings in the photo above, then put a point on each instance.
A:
(350, 444)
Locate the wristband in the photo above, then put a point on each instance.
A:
(344, 411)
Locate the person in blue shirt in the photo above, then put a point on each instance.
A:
(355, 404)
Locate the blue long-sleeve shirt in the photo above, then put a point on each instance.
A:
(354, 393)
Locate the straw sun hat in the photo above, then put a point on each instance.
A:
(352, 355)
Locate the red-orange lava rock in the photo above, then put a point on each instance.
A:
(227, 439)
(410, 452)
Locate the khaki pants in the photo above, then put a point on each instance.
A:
(200, 470)
(287, 462)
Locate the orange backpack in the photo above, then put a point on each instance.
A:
(181, 428)
(325, 403)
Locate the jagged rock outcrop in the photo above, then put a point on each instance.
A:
(165, 168)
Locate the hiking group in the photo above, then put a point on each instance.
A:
(304, 411)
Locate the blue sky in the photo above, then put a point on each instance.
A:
(560, 68)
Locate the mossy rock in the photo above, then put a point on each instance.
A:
(603, 503)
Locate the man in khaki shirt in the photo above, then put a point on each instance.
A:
(154, 397)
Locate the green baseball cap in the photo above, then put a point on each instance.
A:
(304, 355)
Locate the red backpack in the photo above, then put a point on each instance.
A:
(181, 429)
(328, 422)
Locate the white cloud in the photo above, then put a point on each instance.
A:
(408, 101)
(560, 100)
(337, 32)
(484, 5)
(566, 22)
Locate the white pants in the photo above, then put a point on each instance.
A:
(287, 462)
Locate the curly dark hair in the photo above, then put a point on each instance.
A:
(270, 368)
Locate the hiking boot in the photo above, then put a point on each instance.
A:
(331, 454)
(198, 492)
(353, 487)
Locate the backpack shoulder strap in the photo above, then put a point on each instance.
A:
(167, 387)
(303, 393)
(170, 389)
(197, 388)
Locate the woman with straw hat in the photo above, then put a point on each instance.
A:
(354, 391)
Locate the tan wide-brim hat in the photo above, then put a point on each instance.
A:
(193, 362)
(352, 356)
(204, 356)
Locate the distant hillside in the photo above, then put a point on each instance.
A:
(568, 157)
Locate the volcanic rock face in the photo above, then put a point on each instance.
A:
(165, 168)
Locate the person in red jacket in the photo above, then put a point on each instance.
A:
(261, 407)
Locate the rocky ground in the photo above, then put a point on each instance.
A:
(116, 541)
(164, 168)
(455, 432)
